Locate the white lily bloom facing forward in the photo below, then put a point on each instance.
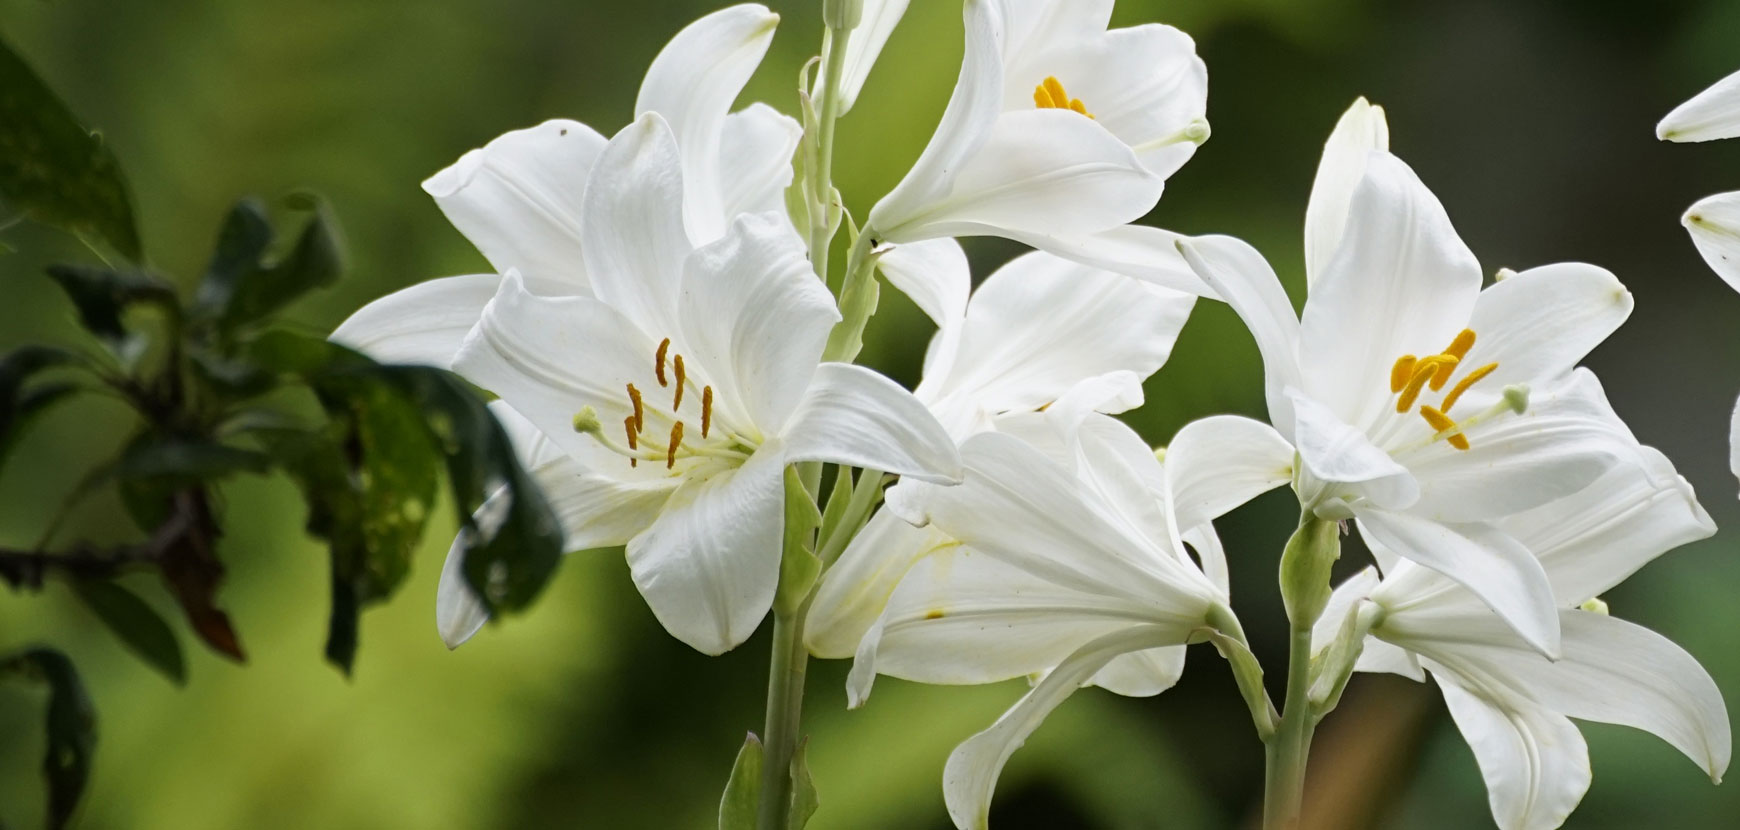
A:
(1512, 704)
(1059, 133)
(678, 394)
(519, 199)
(1420, 404)
(1033, 330)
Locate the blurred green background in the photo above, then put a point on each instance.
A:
(1533, 121)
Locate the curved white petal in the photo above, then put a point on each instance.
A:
(1218, 463)
(635, 244)
(1534, 760)
(964, 128)
(531, 446)
(459, 614)
(935, 275)
(856, 588)
(1495, 567)
(1146, 253)
(423, 324)
(971, 773)
(862, 48)
(1036, 26)
(1361, 130)
(518, 198)
(1243, 279)
(693, 83)
(1142, 673)
(1537, 324)
(755, 155)
(1714, 223)
(1711, 114)
(1336, 453)
(1734, 442)
(1041, 324)
(754, 314)
(1401, 282)
(709, 564)
(1031, 162)
(855, 417)
(598, 511)
(1375, 654)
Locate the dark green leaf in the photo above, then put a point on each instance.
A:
(184, 460)
(18, 404)
(55, 170)
(244, 282)
(72, 728)
(229, 378)
(102, 295)
(30, 406)
(140, 627)
(804, 800)
(743, 792)
(798, 567)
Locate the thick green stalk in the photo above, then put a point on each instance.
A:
(785, 706)
(1288, 751)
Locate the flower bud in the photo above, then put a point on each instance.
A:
(1305, 566)
(842, 15)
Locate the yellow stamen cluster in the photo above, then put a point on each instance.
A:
(634, 425)
(1049, 95)
(1410, 376)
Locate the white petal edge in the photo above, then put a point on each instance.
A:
(1360, 130)
(1218, 463)
(423, 324)
(862, 48)
(1711, 114)
(1534, 761)
(1714, 223)
(853, 416)
(1240, 276)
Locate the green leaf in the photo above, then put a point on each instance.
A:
(20, 405)
(56, 171)
(176, 460)
(743, 792)
(798, 566)
(244, 282)
(136, 623)
(804, 799)
(102, 295)
(72, 728)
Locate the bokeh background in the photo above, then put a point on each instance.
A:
(1533, 121)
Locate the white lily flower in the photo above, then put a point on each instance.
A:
(1051, 110)
(1067, 563)
(1418, 403)
(674, 398)
(1029, 333)
(519, 199)
(1512, 704)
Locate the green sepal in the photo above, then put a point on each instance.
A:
(743, 792)
(804, 799)
(798, 566)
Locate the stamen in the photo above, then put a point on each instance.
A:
(678, 361)
(1401, 372)
(639, 419)
(659, 361)
(676, 441)
(1054, 88)
(1446, 368)
(1442, 423)
(1460, 346)
(706, 410)
(1424, 370)
(1051, 95)
(1467, 382)
(633, 429)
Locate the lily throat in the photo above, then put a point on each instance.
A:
(1413, 377)
(659, 434)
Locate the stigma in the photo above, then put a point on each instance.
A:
(1049, 95)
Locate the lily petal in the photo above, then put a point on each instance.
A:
(1714, 223)
(459, 614)
(936, 277)
(1142, 673)
(1146, 253)
(972, 770)
(753, 313)
(1218, 463)
(755, 155)
(1240, 276)
(1534, 760)
(1401, 282)
(692, 84)
(634, 238)
(518, 199)
(855, 417)
(1361, 130)
(709, 564)
(855, 590)
(1536, 325)
(1711, 114)
(1734, 442)
(862, 49)
(1495, 567)
(1375, 655)
(423, 324)
(1333, 451)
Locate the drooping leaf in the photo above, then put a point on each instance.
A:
(743, 792)
(72, 728)
(136, 624)
(19, 404)
(184, 460)
(56, 171)
(245, 281)
(191, 568)
(804, 799)
(102, 295)
(798, 566)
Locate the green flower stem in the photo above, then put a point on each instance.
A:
(1305, 567)
(785, 707)
(821, 180)
(858, 297)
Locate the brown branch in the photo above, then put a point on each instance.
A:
(27, 569)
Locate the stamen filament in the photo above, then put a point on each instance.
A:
(1467, 382)
(678, 363)
(676, 441)
(706, 410)
(659, 361)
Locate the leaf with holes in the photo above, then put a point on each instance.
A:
(72, 728)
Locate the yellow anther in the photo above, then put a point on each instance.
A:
(1467, 382)
(1050, 95)
(1401, 372)
(1446, 368)
(633, 431)
(1460, 346)
(638, 421)
(706, 410)
(1442, 423)
(1425, 369)
(659, 361)
(676, 441)
(678, 363)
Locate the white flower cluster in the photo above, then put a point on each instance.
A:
(675, 360)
